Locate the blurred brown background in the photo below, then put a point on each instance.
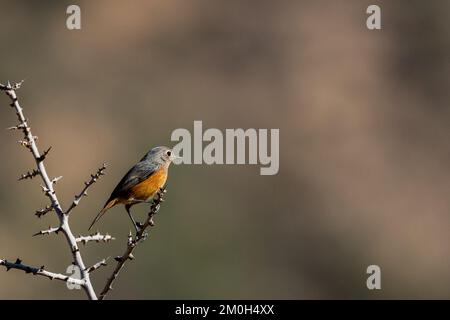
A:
(364, 130)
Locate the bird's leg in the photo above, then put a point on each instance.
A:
(136, 226)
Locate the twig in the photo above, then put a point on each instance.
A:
(30, 142)
(39, 213)
(55, 180)
(132, 243)
(95, 237)
(29, 175)
(97, 265)
(94, 177)
(10, 86)
(40, 272)
(48, 231)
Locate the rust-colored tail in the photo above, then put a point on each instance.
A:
(107, 206)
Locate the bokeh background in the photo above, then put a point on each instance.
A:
(364, 131)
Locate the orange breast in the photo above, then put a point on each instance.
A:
(148, 188)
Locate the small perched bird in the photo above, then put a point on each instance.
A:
(141, 183)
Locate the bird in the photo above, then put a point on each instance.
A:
(141, 183)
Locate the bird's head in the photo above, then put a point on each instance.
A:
(161, 155)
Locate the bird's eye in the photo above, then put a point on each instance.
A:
(169, 153)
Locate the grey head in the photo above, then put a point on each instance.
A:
(159, 155)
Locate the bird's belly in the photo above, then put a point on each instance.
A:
(148, 188)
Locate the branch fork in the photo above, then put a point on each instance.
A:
(29, 141)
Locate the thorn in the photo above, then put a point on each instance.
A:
(44, 155)
(20, 126)
(45, 190)
(18, 261)
(76, 201)
(39, 213)
(24, 143)
(15, 86)
(47, 232)
(55, 180)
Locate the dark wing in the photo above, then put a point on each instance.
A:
(140, 172)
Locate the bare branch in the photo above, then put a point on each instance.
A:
(94, 177)
(95, 237)
(141, 235)
(39, 272)
(30, 142)
(48, 231)
(97, 265)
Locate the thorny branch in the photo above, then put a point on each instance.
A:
(40, 272)
(47, 232)
(94, 177)
(97, 265)
(29, 175)
(95, 237)
(140, 236)
(39, 213)
(29, 141)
